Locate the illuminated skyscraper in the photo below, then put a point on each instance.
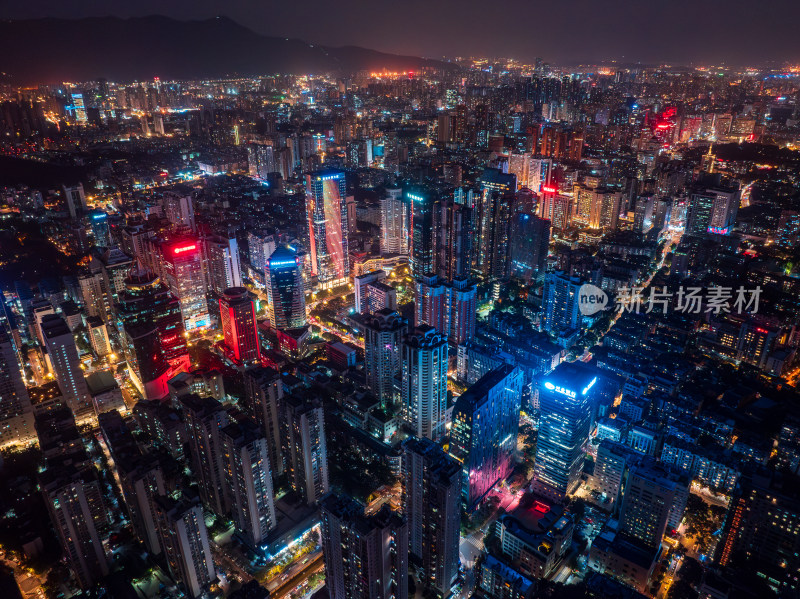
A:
(424, 382)
(183, 268)
(484, 431)
(421, 204)
(394, 222)
(565, 405)
(326, 194)
(80, 109)
(494, 213)
(530, 241)
(286, 296)
(98, 220)
(154, 341)
(237, 314)
(712, 209)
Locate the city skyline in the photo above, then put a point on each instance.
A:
(566, 33)
(281, 320)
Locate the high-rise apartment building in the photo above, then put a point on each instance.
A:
(395, 220)
(366, 557)
(260, 247)
(249, 480)
(179, 210)
(75, 199)
(326, 194)
(261, 160)
(263, 397)
(653, 503)
(16, 415)
(184, 540)
(205, 417)
(565, 406)
(453, 230)
(484, 431)
(222, 265)
(560, 303)
(462, 297)
(237, 314)
(305, 447)
(75, 502)
(430, 302)
(383, 334)
(286, 296)
(63, 356)
(492, 240)
(761, 526)
(424, 382)
(432, 505)
(373, 294)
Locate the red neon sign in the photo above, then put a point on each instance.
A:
(549, 189)
(184, 248)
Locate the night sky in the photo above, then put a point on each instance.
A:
(681, 31)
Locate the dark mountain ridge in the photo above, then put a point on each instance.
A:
(54, 50)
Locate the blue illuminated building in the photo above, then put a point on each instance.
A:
(98, 220)
(530, 241)
(484, 431)
(565, 405)
(421, 201)
(286, 296)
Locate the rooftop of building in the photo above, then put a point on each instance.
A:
(520, 583)
(481, 388)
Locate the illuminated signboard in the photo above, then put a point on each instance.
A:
(416, 197)
(589, 386)
(561, 390)
(719, 230)
(183, 249)
(549, 189)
